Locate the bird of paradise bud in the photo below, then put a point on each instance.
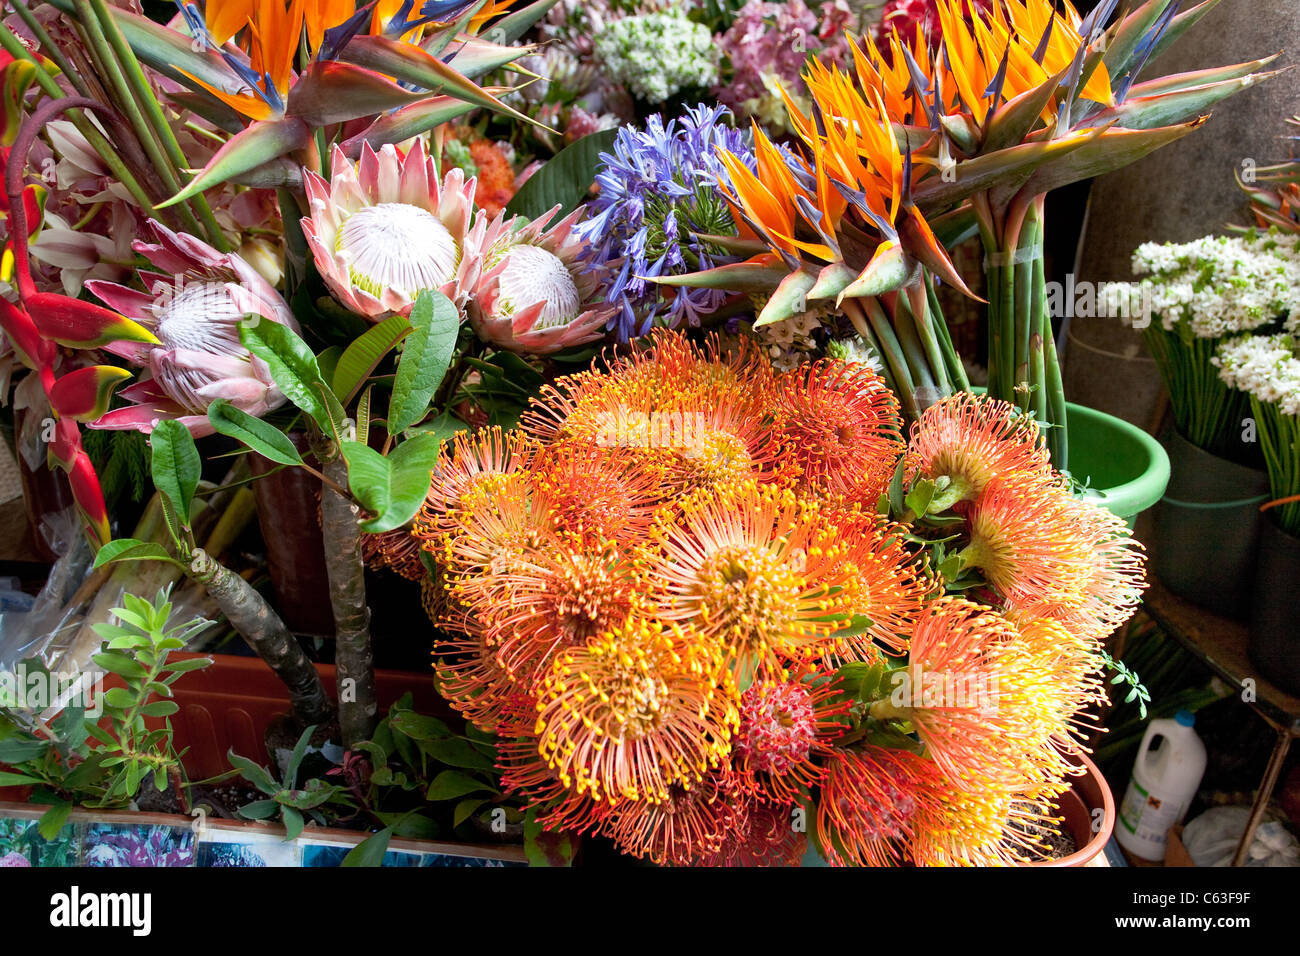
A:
(534, 296)
(282, 71)
(387, 228)
(193, 308)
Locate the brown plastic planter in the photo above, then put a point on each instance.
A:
(233, 702)
(1088, 794)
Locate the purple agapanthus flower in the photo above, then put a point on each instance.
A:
(658, 194)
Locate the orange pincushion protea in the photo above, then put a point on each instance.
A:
(868, 801)
(988, 700)
(553, 600)
(757, 570)
(1048, 554)
(761, 833)
(840, 425)
(627, 716)
(972, 440)
(470, 679)
(690, 823)
(985, 826)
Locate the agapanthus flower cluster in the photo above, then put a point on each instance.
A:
(1219, 285)
(658, 55)
(658, 205)
(672, 596)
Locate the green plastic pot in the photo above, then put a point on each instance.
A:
(1125, 469)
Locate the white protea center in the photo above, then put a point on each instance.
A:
(533, 275)
(397, 246)
(201, 317)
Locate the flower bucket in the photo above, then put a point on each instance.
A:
(1125, 469)
(1079, 806)
(1206, 528)
(1274, 626)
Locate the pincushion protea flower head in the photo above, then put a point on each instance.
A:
(194, 305)
(691, 822)
(633, 713)
(786, 731)
(385, 229)
(841, 425)
(972, 440)
(869, 798)
(534, 295)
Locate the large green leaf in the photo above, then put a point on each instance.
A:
(426, 353)
(293, 369)
(131, 549)
(361, 357)
(565, 180)
(175, 465)
(267, 440)
(451, 784)
(393, 488)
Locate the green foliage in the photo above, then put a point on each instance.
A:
(103, 760)
(121, 459)
(176, 467)
(565, 180)
(284, 798)
(426, 354)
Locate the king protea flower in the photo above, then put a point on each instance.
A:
(385, 229)
(194, 306)
(534, 296)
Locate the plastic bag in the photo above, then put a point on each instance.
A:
(1211, 839)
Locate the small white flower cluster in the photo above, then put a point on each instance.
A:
(1266, 366)
(1218, 285)
(658, 55)
(789, 343)
(855, 349)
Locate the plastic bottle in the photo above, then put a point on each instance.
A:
(1165, 778)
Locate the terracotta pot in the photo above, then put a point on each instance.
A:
(232, 703)
(1088, 794)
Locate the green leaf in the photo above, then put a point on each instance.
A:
(565, 180)
(445, 427)
(255, 774)
(295, 759)
(457, 753)
(267, 440)
(293, 824)
(919, 498)
(8, 779)
(391, 488)
(426, 353)
(418, 726)
(119, 697)
(131, 549)
(258, 144)
(293, 369)
(543, 847)
(451, 784)
(259, 810)
(53, 819)
(175, 465)
(193, 664)
(119, 664)
(364, 355)
(896, 498)
(160, 708)
(370, 851)
(465, 809)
